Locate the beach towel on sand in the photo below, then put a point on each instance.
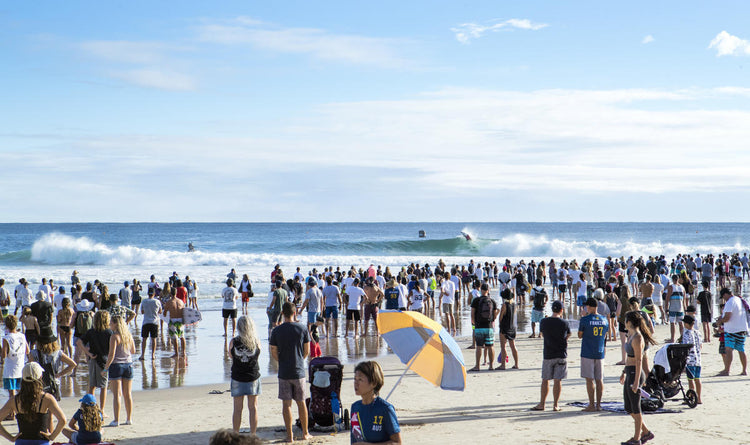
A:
(618, 407)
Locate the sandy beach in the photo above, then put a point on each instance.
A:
(494, 406)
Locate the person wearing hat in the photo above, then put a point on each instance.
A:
(33, 409)
(48, 353)
(555, 331)
(86, 424)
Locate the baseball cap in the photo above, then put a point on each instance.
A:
(32, 371)
(557, 306)
(88, 399)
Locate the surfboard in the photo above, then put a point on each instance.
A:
(191, 316)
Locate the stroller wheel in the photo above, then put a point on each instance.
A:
(346, 419)
(691, 398)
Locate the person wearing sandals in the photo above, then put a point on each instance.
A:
(632, 377)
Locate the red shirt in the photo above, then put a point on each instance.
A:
(182, 294)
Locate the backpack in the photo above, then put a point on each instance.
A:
(485, 309)
(49, 383)
(539, 296)
(84, 322)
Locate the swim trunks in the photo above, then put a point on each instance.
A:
(175, 328)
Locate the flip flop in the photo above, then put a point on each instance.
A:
(536, 408)
(216, 391)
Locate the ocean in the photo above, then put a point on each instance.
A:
(114, 253)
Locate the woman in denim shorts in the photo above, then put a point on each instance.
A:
(245, 349)
(120, 368)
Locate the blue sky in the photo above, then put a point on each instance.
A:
(374, 111)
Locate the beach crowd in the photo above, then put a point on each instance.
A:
(52, 330)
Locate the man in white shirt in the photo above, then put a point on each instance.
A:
(447, 299)
(23, 295)
(355, 296)
(44, 287)
(734, 319)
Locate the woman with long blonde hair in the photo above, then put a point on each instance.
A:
(245, 349)
(120, 368)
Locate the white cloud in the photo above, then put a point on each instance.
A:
(145, 64)
(317, 43)
(157, 78)
(461, 143)
(465, 32)
(128, 51)
(648, 39)
(726, 44)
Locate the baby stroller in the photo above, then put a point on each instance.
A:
(324, 406)
(665, 385)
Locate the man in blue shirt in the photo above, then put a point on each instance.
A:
(592, 330)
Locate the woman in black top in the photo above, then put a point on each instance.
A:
(245, 349)
(507, 329)
(34, 409)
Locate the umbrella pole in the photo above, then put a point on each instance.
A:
(405, 370)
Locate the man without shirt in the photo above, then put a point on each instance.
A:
(173, 308)
(373, 297)
(290, 345)
(555, 332)
(592, 331)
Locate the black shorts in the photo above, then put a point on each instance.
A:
(353, 315)
(149, 330)
(621, 327)
(631, 400)
(562, 288)
(227, 313)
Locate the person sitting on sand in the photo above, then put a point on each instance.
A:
(86, 424)
(373, 420)
(229, 437)
(555, 332)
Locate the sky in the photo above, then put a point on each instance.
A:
(374, 111)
